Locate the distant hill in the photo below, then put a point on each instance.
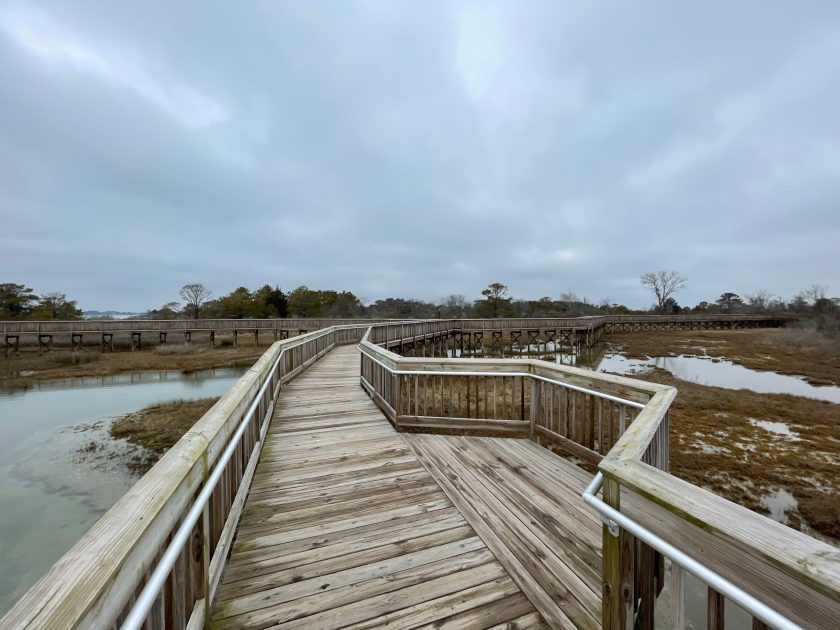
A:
(109, 314)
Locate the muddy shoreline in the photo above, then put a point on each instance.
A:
(157, 427)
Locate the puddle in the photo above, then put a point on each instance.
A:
(779, 428)
(778, 503)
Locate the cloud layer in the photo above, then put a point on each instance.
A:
(418, 149)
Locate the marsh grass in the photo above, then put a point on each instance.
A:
(715, 445)
(181, 349)
(158, 426)
(31, 367)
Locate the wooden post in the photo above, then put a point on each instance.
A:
(205, 556)
(611, 573)
(678, 595)
(647, 595)
(397, 400)
(715, 610)
(536, 387)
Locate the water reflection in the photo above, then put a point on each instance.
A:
(554, 353)
(721, 373)
(702, 370)
(60, 470)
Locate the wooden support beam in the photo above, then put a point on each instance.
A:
(715, 610)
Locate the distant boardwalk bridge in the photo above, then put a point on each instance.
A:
(465, 334)
(359, 476)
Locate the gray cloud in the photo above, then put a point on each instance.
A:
(418, 149)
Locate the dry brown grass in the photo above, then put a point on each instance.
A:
(714, 444)
(181, 349)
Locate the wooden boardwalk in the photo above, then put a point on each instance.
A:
(350, 524)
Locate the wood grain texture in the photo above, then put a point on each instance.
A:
(344, 527)
(796, 574)
(548, 541)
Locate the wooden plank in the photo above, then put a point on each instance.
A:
(386, 574)
(339, 532)
(249, 583)
(374, 608)
(571, 446)
(555, 515)
(532, 621)
(554, 553)
(447, 605)
(477, 515)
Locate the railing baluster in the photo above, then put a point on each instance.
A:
(715, 610)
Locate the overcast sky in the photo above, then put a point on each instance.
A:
(418, 149)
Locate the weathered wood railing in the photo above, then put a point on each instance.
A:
(97, 583)
(174, 325)
(622, 426)
(796, 576)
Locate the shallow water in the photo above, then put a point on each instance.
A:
(555, 353)
(721, 373)
(60, 471)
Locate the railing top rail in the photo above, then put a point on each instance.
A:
(619, 386)
(525, 373)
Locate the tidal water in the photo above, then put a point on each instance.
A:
(721, 373)
(59, 469)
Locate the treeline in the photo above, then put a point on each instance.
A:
(495, 301)
(17, 301)
(267, 301)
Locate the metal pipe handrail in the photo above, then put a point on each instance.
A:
(719, 583)
(137, 617)
(577, 388)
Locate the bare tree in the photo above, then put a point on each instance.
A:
(194, 296)
(663, 285)
(571, 301)
(815, 293)
(454, 305)
(760, 300)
